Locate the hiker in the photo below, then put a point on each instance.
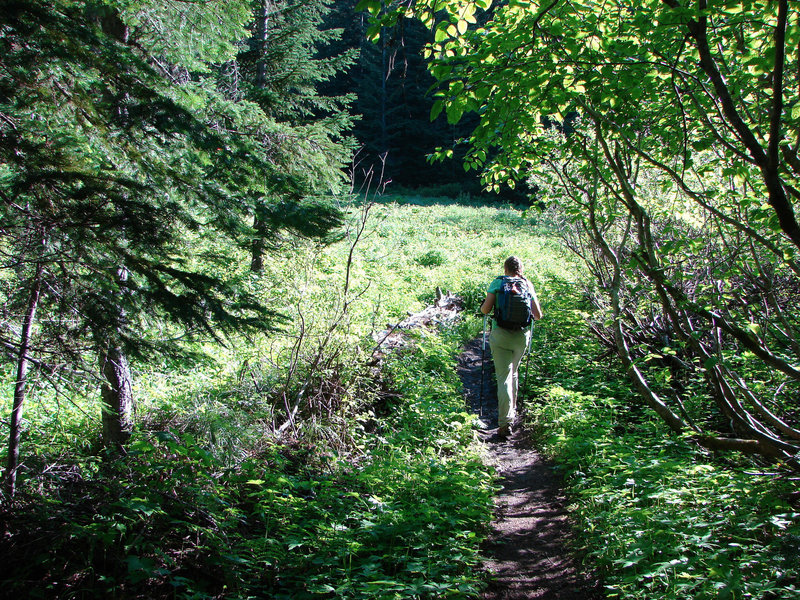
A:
(515, 305)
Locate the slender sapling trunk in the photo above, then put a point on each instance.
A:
(20, 384)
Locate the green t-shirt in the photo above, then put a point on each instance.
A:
(496, 284)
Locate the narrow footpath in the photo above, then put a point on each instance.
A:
(528, 550)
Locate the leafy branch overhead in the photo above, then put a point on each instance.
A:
(668, 131)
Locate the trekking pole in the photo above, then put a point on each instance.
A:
(528, 360)
(483, 360)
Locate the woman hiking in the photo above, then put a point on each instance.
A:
(515, 305)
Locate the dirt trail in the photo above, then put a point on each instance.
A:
(527, 552)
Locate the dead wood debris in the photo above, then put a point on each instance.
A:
(445, 310)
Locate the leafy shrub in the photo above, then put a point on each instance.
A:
(405, 519)
(432, 258)
(658, 516)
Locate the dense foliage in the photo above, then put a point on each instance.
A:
(660, 518)
(210, 497)
(374, 488)
(392, 87)
(174, 229)
(120, 149)
(666, 132)
(404, 520)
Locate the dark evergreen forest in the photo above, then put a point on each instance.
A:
(394, 95)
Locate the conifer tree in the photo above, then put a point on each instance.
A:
(394, 100)
(280, 69)
(116, 141)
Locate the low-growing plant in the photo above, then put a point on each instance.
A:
(658, 516)
(403, 518)
(362, 495)
(432, 258)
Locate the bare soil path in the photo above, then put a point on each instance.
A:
(528, 550)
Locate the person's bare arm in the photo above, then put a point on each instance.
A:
(488, 303)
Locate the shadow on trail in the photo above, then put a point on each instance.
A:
(480, 390)
(528, 552)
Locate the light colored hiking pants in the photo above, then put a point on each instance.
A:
(508, 348)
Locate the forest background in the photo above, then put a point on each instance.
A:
(212, 213)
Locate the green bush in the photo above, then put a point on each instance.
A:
(658, 516)
(432, 258)
(402, 517)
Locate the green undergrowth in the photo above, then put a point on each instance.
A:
(232, 396)
(409, 248)
(659, 517)
(362, 493)
(403, 518)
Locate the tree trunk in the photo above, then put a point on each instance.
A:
(262, 34)
(117, 395)
(257, 248)
(19, 387)
(261, 38)
(384, 139)
(117, 391)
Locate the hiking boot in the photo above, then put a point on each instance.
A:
(501, 435)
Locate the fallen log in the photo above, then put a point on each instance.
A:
(445, 310)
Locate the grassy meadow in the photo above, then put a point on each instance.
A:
(376, 487)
